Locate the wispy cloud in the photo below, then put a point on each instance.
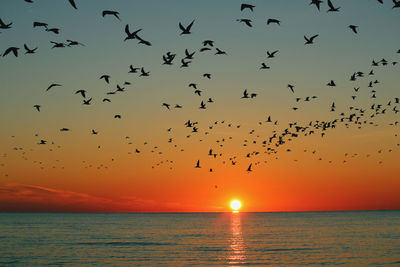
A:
(32, 198)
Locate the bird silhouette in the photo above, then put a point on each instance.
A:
(332, 8)
(275, 21)
(353, 28)
(4, 25)
(82, 92)
(106, 78)
(110, 13)
(272, 54)
(37, 107)
(246, 21)
(29, 51)
(12, 49)
(248, 6)
(186, 30)
(198, 164)
(311, 39)
(52, 85)
(131, 35)
(72, 2)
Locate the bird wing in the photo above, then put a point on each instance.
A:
(72, 2)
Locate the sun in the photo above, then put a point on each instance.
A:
(236, 204)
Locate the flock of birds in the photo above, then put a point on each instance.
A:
(258, 145)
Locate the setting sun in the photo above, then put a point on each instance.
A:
(236, 204)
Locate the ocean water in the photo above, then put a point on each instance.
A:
(176, 239)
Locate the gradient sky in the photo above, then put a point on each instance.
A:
(347, 169)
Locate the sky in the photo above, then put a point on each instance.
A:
(346, 167)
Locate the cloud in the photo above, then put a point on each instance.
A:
(32, 198)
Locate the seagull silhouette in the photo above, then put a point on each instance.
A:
(331, 7)
(353, 28)
(311, 39)
(72, 2)
(246, 21)
(12, 49)
(37, 107)
(186, 30)
(106, 78)
(269, 21)
(4, 25)
(110, 12)
(52, 85)
(248, 6)
(198, 164)
(130, 35)
(272, 54)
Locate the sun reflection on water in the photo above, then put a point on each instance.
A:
(238, 252)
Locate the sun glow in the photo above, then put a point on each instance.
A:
(235, 205)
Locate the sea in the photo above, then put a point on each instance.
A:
(360, 238)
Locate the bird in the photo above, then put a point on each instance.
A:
(64, 130)
(353, 28)
(331, 83)
(246, 21)
(219, 52)
(208, 43)
(52, 85)
(82, 92)
(130, 35)
(110, 12)
(166, 105)
(37, 107)
(29, 51)
(94, 132)
(117, 116)
(332, 8)
(186, 30)
(106, 78)
(207, 75)
(4, 25)
(245, 94)
(39, 24)
(317, 3)
(12, 49)
(248, 6)
(202, 105)
(106, 100)
(189, 55)
(276, 21)
(291, 87)
(132, 69)
(272, 54)
(197, 164)
(53, 30)
(144, 73)
(87, 102)
(311, 39)
(264, 67)
(73, 43)
(72, 2)
(249, 168)
(57, 44)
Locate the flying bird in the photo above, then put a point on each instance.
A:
(272, 54)
(72, 2)
(197, 164)
(246, 21)
(106, 78)
(131, 35)
(317, 3)
(186, 30)
(12, 49)
(248, 6)
(29, 51)
(110, 13)
(353, 28)
(52, 85)
(4, 25)
(332, 8)
(37, 107)
(311, 39)
(291, 87)
(276, 21)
